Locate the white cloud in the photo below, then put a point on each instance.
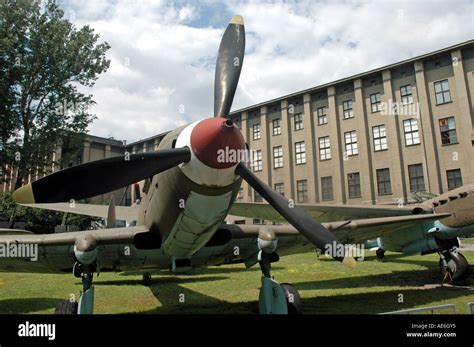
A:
(163, 53)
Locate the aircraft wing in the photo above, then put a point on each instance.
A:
(350, 231)
(127, 213)
(324, 212)
(14, 232)
(98, 236)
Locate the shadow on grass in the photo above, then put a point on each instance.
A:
(175, 298)
(18, 306)
(211, 270)
(171, 299)
(375, 302)
(379, 302)
(158, 280)
(396, 259)
(396, 278)
(430, 265)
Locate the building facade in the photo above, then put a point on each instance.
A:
(377, 137)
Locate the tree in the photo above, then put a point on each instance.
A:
(44, 59)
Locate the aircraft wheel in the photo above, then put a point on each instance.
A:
(380, 253)
(293, 299)
(146, 280)
(458, 267)
(66, 307)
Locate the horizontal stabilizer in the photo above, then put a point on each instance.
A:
(127, 213)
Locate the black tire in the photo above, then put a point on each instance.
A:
(146, 279)
(66, 307)
(458, 267)
(293, 299)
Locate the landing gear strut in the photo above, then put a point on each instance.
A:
(86, 301)
(453, 266)
(276, 298)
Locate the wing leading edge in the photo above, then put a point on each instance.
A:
(97, 237)
(351, 231)
(322, 212)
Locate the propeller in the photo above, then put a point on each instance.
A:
(228, 66)
(99, 177)
(314, 231)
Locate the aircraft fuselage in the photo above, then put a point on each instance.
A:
(183, 210)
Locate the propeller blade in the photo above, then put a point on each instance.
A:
(99, 177)
(314, 231)
(228, 66)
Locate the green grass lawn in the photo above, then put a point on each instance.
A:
(325, 287)
(468, 240)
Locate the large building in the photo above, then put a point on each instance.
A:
(382, 136)
(375, 137)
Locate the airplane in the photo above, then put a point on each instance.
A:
(192, 184)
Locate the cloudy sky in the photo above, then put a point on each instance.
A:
(163, 52)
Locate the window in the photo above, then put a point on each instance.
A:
(300, 152)
(240, 195)
(375, 102)
(442, 93)
(302, 190)
(257, 160)
(280, 188)
(380, 137)
(277, 157)
(447, 126)
(324, 148)
(417, 180)
(258, 221)
(347, 108)
(383, 182)
(351, 143)
(405, 92)
(353, 182)
(277, 126)
(454, 178)
(412, 135)
(256, 132)
(257, 197)
(326, 185)
(298, 121)
(322, 116)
